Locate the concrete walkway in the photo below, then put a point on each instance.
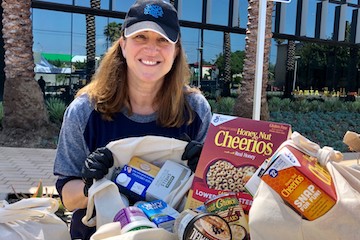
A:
(23, 168)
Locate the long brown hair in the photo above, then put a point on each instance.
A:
(110, 94)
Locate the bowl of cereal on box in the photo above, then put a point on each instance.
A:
(221, 174)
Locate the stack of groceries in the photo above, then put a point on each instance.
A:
(143, 186)
(237, 155)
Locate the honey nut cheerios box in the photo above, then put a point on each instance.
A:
(233, 150)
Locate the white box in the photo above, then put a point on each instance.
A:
(170, 176)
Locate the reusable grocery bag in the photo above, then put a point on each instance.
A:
(32, 219)
(104, 195)
(271, 218)
(111, 231)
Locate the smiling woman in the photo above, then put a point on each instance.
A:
(140, 88)
(149, 57)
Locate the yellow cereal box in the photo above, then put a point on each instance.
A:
(234, 148)
(301, 181)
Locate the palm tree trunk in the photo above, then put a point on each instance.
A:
(290, 68)
(244, 102)
(91, 41)
(227, 67)
(23, 101)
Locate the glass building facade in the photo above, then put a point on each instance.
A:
(331, 26)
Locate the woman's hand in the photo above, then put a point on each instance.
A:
(96, 166)
(192, 154)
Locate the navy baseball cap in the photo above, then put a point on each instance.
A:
(152, 15)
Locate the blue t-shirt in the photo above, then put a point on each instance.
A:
(83, 130)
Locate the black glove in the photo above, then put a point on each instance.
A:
(192, 154)
(96, 166)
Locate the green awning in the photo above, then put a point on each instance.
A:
(54, 57)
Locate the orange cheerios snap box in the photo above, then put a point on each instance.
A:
(301, 182)
(233, 150)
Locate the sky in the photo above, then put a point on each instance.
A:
(65, 33)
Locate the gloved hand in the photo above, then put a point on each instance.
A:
(96, 166)
(192, 152)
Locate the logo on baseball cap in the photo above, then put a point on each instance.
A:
(152, 15)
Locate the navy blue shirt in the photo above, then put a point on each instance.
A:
(83, 130)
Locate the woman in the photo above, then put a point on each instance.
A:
(139, 89)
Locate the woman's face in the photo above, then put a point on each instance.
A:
(149, 56)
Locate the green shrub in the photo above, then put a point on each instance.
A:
(301, 106)
(213, 105)
(56, 108)
(226, 105)
(275, 104)
(315, 106)
(323, 128)
(333, 105)
(352, 106)
(323, 121)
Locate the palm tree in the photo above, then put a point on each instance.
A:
(91, 41)
(290, 68)
(112, 31)
(244, 102)
(23, 100)
(227, 69)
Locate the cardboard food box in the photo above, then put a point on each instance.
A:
(301, 181)
(160, 213)
(135, 178)
(170, 176)
(233, 150)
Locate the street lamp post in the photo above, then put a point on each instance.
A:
(295, 71)
(200, 67)
(213, 73)
(260, 57)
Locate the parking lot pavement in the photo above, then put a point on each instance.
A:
(21, 169)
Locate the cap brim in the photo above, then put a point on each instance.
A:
(169, 34)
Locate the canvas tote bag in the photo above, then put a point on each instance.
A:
(104, 195)
(271, 218)
(32, 219)
(111, 231)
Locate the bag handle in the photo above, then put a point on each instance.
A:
(324, 155)
(104, 196)
(28, 208)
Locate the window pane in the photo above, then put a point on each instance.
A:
(219, 12)
(213, 45)
(82, 3)
(243, 12)
(123, 5)
(60, 1)
(311, 19)
(191, 10)
(190, 38)
(52, 31)
(290, 19)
